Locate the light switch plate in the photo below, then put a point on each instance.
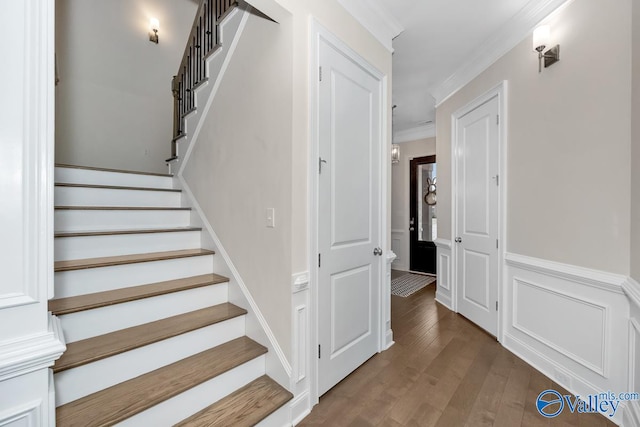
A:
(271, 217)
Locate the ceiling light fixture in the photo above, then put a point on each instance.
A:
(395, 153)
(541, 39)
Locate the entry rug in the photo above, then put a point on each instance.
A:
(408, 284)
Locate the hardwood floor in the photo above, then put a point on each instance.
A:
(442, 371)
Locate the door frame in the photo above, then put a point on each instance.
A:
(318, 34)
(499, 91)
(413, 179)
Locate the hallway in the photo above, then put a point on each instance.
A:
(442, 371)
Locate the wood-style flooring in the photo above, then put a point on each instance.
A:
(442, 371)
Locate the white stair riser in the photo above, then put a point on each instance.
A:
(67, 248)
(87, 196)
(280, 418)
(93, 177)
(91, 220)
(81, 381)
(91, 280)
(197, 398)
(99, 321)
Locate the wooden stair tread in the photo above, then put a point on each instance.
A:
(246, 406)
(97, 348)
(102, 299)
(118, 232)
(120, 208)
(61, 165)
(117, 403)
(116, 187)
(80, 264)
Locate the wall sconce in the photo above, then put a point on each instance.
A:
(395, 153)
(541, 39)
(154, 26)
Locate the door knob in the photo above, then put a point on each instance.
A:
(377, 251)
(458, 240)
(411, 229)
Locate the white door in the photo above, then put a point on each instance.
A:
(348, 216)
(477, 215)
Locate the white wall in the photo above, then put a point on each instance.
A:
(400, 197)
(568, 141)
(114, 103)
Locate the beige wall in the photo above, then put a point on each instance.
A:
(114, 104)
(568, 140)
(400, 197)
(241, 165)
(635, 146)
(333, 17)
(253, 151)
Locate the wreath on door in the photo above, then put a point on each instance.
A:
(430, 196)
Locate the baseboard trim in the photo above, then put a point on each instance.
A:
(300, 407)
(586, 276)
(444, 300)
(549, 368)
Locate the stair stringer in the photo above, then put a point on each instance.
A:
(230, 30)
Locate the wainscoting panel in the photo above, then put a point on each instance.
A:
(22, 401)
(562, 326)
(569, 322)
(632, 409)
(444, 293)
(398, 239)
(300, 381)
(385, 300)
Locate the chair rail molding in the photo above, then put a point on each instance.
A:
(28, 354)
(586, 276)
(631, 288)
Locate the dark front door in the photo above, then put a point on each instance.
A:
(423, 224)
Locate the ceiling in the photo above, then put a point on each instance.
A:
(442, 45)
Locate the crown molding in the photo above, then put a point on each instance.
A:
(414, 134)
(501, 42)
(375, 17)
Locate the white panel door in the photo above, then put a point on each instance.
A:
(477, 215)
(349, 216)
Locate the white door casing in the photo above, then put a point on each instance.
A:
(349, 215)
(478, 211)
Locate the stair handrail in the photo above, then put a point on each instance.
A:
(203, 40)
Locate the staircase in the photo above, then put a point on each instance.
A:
(151, 337)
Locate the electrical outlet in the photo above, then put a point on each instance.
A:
(271, 217)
